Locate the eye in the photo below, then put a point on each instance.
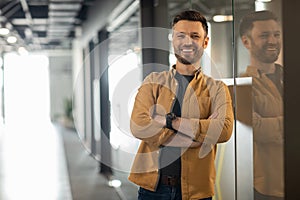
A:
(181, 35)
(264, 36)
(195, 36)
(277, 35)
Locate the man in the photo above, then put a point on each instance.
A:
(180, 115)
(261, 35)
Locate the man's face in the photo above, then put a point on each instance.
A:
(189, 41)
(265, 41)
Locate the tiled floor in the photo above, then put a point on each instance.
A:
(86, 182)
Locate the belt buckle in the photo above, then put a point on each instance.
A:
(172, 181)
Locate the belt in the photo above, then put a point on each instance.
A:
(170, 180)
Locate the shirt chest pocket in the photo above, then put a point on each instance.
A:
(197, 107)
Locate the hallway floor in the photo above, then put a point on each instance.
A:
(46, 161)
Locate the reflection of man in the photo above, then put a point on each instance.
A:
(180, 115)
(261, 35)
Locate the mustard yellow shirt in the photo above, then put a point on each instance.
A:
(203, 96)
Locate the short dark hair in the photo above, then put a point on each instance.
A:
(191, 15)
(246, 23)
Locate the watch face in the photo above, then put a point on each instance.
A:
(171, 116)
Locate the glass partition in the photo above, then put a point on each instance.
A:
(258, 52)
(250, 165)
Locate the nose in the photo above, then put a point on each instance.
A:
(188, 40)
(273, 39)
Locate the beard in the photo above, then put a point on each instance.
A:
(264, 55)
(189, 59)
(267, 57)
(182, 60)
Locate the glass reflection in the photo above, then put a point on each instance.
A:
(260, 33)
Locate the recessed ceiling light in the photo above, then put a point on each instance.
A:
(264, 1)
(4, 31)
(222, 18)
(11, 39)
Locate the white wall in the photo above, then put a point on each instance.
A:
(78, 86)
(221, 50)
(60, 72)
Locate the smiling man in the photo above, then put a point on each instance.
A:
(180, 115)
(189, 41)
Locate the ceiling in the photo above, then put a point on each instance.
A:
(124, 37)
(52, 24)
(42, 24)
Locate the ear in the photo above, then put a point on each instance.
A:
(205, 42)
(246, 41)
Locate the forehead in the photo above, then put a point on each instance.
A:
(188, 26)
(266, 26)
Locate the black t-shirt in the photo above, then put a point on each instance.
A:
(170, 161)
(276, 78)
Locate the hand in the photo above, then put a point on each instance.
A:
(255, 115)
(160, 119)
(213, 115)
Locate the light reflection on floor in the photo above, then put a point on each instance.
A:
(32, 162)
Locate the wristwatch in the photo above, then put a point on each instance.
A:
(169, 118)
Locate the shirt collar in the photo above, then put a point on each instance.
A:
(197, 72)
(255, 72)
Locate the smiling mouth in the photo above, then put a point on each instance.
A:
(187, 51)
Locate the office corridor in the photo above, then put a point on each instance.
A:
(46, 161)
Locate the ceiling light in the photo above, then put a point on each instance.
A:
(264, 1)
(222, 18)
(64, 6)
(4, 31)
(11, 39)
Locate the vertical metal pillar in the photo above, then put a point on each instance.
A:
(154, 14)
(84, 137)
(91, 87)
(105, 154)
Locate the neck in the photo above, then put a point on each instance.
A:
(187, 69)
(266, 68)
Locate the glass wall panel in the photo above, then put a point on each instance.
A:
(258, 41)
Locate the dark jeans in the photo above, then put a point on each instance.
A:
(163, 192)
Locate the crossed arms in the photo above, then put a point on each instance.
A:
(148, 118)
